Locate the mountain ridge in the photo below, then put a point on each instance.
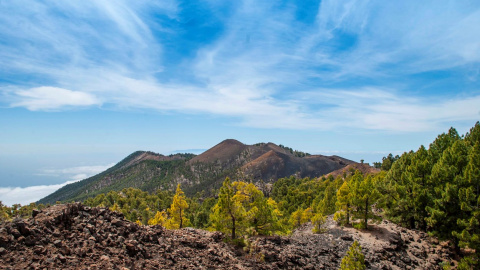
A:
(150, 171)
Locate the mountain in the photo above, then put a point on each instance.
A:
(150, 171)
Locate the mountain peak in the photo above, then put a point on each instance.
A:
(231, 141)
(221, 152)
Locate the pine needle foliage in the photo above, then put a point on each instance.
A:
(354, 260)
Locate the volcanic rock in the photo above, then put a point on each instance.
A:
(74, 236)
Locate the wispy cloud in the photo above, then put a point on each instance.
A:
(379, 109)
(76, 173)
(395, 38)
(26, 195)
(49, 98)
(264, 69)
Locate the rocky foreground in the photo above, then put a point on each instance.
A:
(75, 236)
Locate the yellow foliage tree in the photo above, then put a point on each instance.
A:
(160, 218)
(176, 211)
(3, 212)
(318, 221)
(115, 208)
(300, 216)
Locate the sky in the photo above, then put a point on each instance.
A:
(85, 83)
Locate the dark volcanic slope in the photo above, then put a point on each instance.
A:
(149, 171)
(221, 152)
(78, 237)
(277, 163)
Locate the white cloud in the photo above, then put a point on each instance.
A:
(27, 195)
(50, 98)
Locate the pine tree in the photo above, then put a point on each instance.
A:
(419, 173)
(300, 216)
(3, 212)
(473, 136)
(242, 207)
(229, 212)
(176, 211)
(448, 174)
(296, 218)
(469, 197)
(407, 189)
(387, 162)
(264, 216)
(442, 143)
(318, 220)
(397, 192)
(201, 218)
(354, 260)
(363, 195)
(115, 208)
(261, 214)
(344, 201)
(327, 205)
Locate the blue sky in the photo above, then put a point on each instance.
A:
(85, 83)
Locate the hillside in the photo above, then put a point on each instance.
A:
(149, 171)
(73, 235)
(141, 169)
(351, 168)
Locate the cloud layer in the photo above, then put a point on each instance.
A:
(27, 195)
(317, 65)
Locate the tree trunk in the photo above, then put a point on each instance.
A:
(348, 213)
(366, 214)
(412, 223)
(181, 219)
(233, 227)
(424, 222)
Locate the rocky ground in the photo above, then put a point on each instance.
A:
(74, 236)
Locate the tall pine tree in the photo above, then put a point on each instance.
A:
(448, 178)
(176, 211)
(364, 195)
(229, 212)
(344, 203)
